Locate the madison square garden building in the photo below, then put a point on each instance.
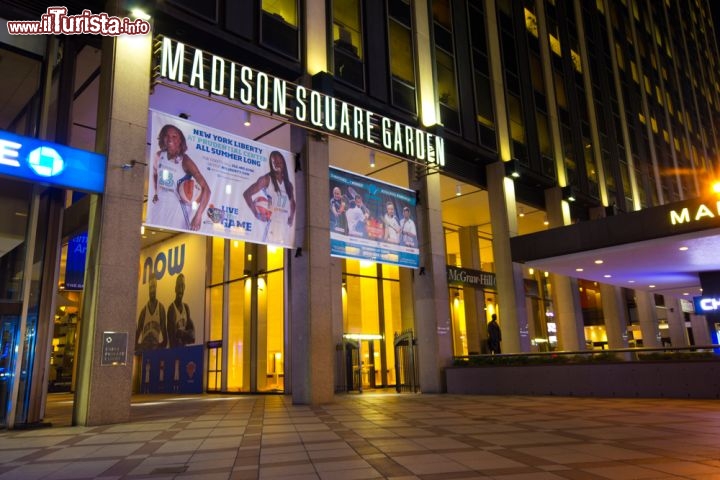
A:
(310, 197)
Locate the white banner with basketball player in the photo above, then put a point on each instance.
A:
(212, 182)
(372, 220)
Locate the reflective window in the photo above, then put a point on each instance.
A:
(280, 28)
(348, 42)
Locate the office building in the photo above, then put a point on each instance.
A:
(485, 154)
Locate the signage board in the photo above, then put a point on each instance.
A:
(187, 65)
(114, 348)
(471, 278)
(372, 220)
(706, 305)
(208, 181)
(49, 163)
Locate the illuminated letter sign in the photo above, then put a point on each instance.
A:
(51, 164)
(309, 108)
(701, 212)
(704, 305)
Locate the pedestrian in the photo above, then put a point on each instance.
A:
(494, 335)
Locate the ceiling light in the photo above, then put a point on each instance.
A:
(686, 293)
(140, 14)
(651, 286)
(246, 118)
(607, 276)
(631, 281)
(682, 249)
(372, 158)
(716, 187)
(579, 269)
(522, 212)
(458, 190)
(598, 262)
(142, 229)
(545, 222)
(531, 271)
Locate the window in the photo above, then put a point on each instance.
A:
(348, 42)
(445, 66)
(402, 56)
(279, 29)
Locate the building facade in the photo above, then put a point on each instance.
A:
(460, 124)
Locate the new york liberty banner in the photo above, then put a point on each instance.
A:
(204, 180)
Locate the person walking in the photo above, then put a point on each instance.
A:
(494, 335)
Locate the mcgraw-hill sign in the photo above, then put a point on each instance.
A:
(471, 278)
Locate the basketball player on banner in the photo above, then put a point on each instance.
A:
(271, 199)
(179, 191)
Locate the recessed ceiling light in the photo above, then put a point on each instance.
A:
(607, 276)
(686, 293)
(682, 249)
(579, 269)
(631, 281)
(598, 262)
(651, 286)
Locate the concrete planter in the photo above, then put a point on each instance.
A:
(677, 379)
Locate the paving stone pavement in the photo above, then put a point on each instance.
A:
(375, 435)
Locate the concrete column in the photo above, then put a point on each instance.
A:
(513, 316)
(700, 329)
(676, 322)
(647, 316)
(432, 304)
(565, 293)
(616, 316)
(312, 336)
(113, 231)
(475, 322)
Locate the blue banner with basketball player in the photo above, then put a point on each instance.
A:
(204, 180)
(372, 220)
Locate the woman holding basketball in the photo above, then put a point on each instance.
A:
(180, 190)
(271, 199)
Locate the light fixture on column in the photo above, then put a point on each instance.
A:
(372, 158)
(246, 118)
(458, 190)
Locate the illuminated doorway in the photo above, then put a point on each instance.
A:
(247, 317)
(372, 316)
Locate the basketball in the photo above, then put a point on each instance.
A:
(262, 207)
(186, 189)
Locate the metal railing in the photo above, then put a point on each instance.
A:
(635, 354)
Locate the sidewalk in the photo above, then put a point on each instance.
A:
(376, 435)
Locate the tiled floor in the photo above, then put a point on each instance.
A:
(376, 435)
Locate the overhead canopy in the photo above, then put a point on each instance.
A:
(659, 249)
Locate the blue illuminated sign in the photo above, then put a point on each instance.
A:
(75, 264)
(706, 305)
(52, 164)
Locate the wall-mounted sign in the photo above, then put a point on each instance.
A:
(187, 65)
(697, 214)
(49, 163)
(212, 182)
(471, 278)
(706, 305)
(372, 220)
(75, 264)
(114, 348)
